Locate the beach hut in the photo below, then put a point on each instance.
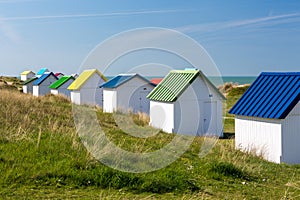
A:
(127, 92)
(41, 72)
(61, 86)
(59, 75)
(28, 85)
(27, 75)
(186, 102)
(267, 117)
(41, 85)
(85, 89)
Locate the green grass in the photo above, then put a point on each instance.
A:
(234, 93)
(41, 156)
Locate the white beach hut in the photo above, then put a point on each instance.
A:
(267, 117)
(27, 75)
(186, 102)
(28, 85)
(127, 92)
(85, 89)
(41, 85)
(61, 86)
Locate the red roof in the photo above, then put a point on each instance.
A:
(58, 74)
(156, 81)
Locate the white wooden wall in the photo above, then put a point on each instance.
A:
(54, 91)
(109, 100)
(260, 136)
(291, 137)
(75, 97)
(162, 116)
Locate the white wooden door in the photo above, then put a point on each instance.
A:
(210, 118)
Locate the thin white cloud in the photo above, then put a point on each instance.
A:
(89, 15)
(8, 32)
(259, 22)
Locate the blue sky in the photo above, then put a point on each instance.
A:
(242, 37)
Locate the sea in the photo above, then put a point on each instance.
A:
(240, 80)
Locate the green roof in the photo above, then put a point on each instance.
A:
(175, 83)
(60, 82)
(29, 80)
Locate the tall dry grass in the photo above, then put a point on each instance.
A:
(22, 115)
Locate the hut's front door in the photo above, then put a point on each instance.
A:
(210, 118)
(144, 103)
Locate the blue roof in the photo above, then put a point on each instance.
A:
(42, 71)
(43, 78)
(121, 79)
(272, 95)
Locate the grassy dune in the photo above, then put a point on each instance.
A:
(41, 156)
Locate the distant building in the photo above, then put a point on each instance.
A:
(27, 75)
(127, 92)
(28, 85)
(267, 117)
(61, 86)
(41, 85)
(85, 89)
(186, 102)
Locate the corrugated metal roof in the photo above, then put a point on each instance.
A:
(83, 77)
(272, 95)
(42, 71)
(27, 72)
(60, 82)
(117, 81)
(121, 79)
(175, 83)
(29, 80)
(43, 78)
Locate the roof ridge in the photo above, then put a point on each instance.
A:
(281, 73)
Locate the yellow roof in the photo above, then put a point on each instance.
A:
(26, 72)
(83, 77)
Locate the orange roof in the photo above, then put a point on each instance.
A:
(156, 81)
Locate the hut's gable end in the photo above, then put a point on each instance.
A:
(93, 82)
(291, 136)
